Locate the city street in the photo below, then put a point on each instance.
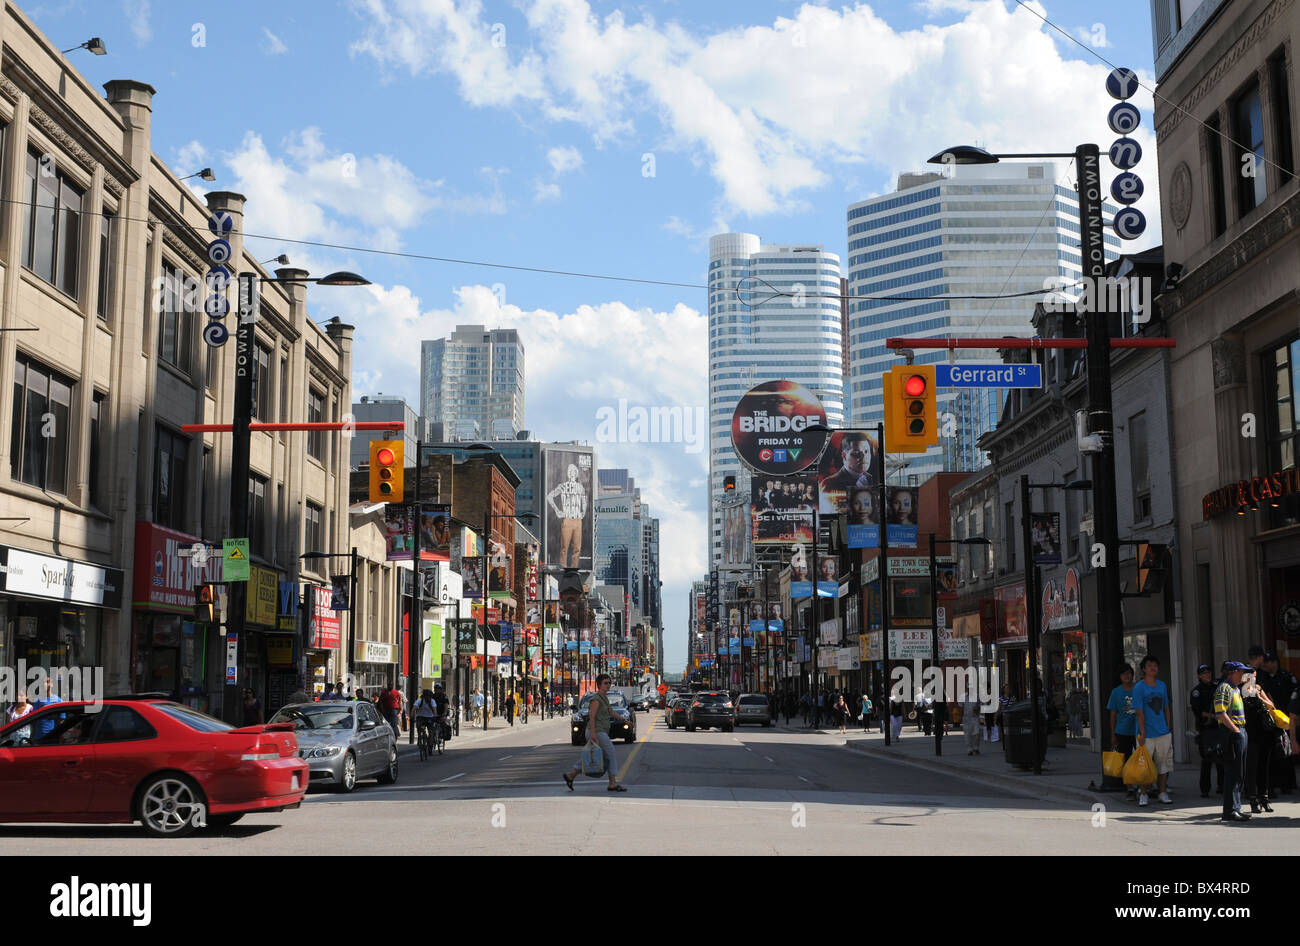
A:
(754, 791)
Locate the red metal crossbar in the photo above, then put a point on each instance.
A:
(1025, 343)
(313, 425)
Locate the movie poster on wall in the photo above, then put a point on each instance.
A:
(570, 511)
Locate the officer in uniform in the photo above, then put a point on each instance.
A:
(1284, 690)
(1202, 701)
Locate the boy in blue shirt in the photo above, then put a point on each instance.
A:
(1155, 723)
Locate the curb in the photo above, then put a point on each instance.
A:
(473, 737)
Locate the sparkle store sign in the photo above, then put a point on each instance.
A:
(1125, 153)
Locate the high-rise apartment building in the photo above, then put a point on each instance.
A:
(774, 313)
(1009, 230)
(472, 383)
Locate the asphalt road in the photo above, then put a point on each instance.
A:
(754, 791)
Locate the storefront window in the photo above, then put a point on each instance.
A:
(50, 634)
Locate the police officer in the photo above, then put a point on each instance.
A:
(1284, 690)
(1202, 701)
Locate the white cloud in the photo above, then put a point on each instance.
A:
(274, 45)
(545, 190)
(772, 111)
(191, 156)
(137, 14)
(564, 159)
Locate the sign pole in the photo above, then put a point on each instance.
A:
(884, 586)
(240, 447)
(1032, 619)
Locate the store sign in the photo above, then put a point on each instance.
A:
(263, 596)
(289, 600)
(279, 651)
(328, 626)
(846, 658)
(1241, 495)
(911, 644)
(1011, 627)
(953, 646)
(165, 579)
(909, 566)
(374, 652)
(870, 571)
(61, 579)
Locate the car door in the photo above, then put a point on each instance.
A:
(51, 771)
(126, 748)
(369, 740)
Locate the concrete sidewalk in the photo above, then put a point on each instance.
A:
(1071, 774)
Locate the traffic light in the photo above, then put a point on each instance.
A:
(1151, 568)
(205, 604)
(911, 413)
(386, 471)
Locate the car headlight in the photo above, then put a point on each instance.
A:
(324, 752)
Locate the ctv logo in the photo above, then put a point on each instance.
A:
(780, 456)
(765, 455)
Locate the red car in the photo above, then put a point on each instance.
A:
(145, 759)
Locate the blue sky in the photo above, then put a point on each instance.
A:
(520, 133)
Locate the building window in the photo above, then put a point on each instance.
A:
(262, 403)
(204, 488)
(257, 515)
(1009, 536)
(284, 395)
(1281, 105)
(312, 538)
(41, 431)
(1218, 201)
(107, 248)
(1138, 464)
(51, 224)
(988, 549)
(170, 478)
(176, 321)
(315, 415)
(98, 407)
(1248, 132)
(1282, 394)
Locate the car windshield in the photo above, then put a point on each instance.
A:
(616, 701)
(192, 718)
(752, 700)
(328, 716)
(711, 698)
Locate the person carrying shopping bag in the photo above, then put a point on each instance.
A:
(598, 719)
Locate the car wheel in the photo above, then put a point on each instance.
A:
(630, 739)
(349, 780)
(389, 775)
(690, 728)
(168, 804)
(224, 821)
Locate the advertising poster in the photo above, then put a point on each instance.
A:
(900, 517)
(735, 533)
(499, 567)
(769, 428)
(435, 534)
(570, 515)
(399, 535)
(1045, 533)
(946, 572)
(782, 509)
(851, 462)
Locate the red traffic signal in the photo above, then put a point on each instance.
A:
(914, 386)
(386, 471)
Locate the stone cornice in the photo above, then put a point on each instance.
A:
(1192, 99)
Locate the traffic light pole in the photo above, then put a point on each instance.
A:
(415, 640)
(883, 577)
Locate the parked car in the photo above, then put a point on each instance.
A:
(622, 724)
(711, 708)
(676, 712)
(145, 759)
(343, 742)
(753, 708)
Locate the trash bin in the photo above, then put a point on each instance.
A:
(1018, 735)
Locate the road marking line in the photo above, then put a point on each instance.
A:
(747, 749)
(769, 759)
(451, 778)
(802, 779)
(635, 749)
(504, 757)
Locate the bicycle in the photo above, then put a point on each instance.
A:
(427, 737)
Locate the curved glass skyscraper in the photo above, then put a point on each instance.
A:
(774, 313)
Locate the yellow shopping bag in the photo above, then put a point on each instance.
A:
(1282, 719)
(1112, 764)
(1139, 769)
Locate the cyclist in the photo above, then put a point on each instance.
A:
(444, 702)
(426, 714)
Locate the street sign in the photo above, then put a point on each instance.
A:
(221, 223)
(967, 375)
(235, 561)
(941, 614)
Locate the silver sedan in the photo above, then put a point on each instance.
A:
(342, 742)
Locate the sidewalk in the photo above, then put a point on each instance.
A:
(471, 733)
(1070, 774)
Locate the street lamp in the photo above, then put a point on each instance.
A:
(934, 629)
(93, 45)
(1033, 604)
(1087, 158)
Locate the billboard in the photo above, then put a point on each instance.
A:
(782, 509)
(1045, 533)
(769, 428)
(900, 516)
(570, 515)
(735, 526)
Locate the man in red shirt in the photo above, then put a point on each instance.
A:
(390, 701)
